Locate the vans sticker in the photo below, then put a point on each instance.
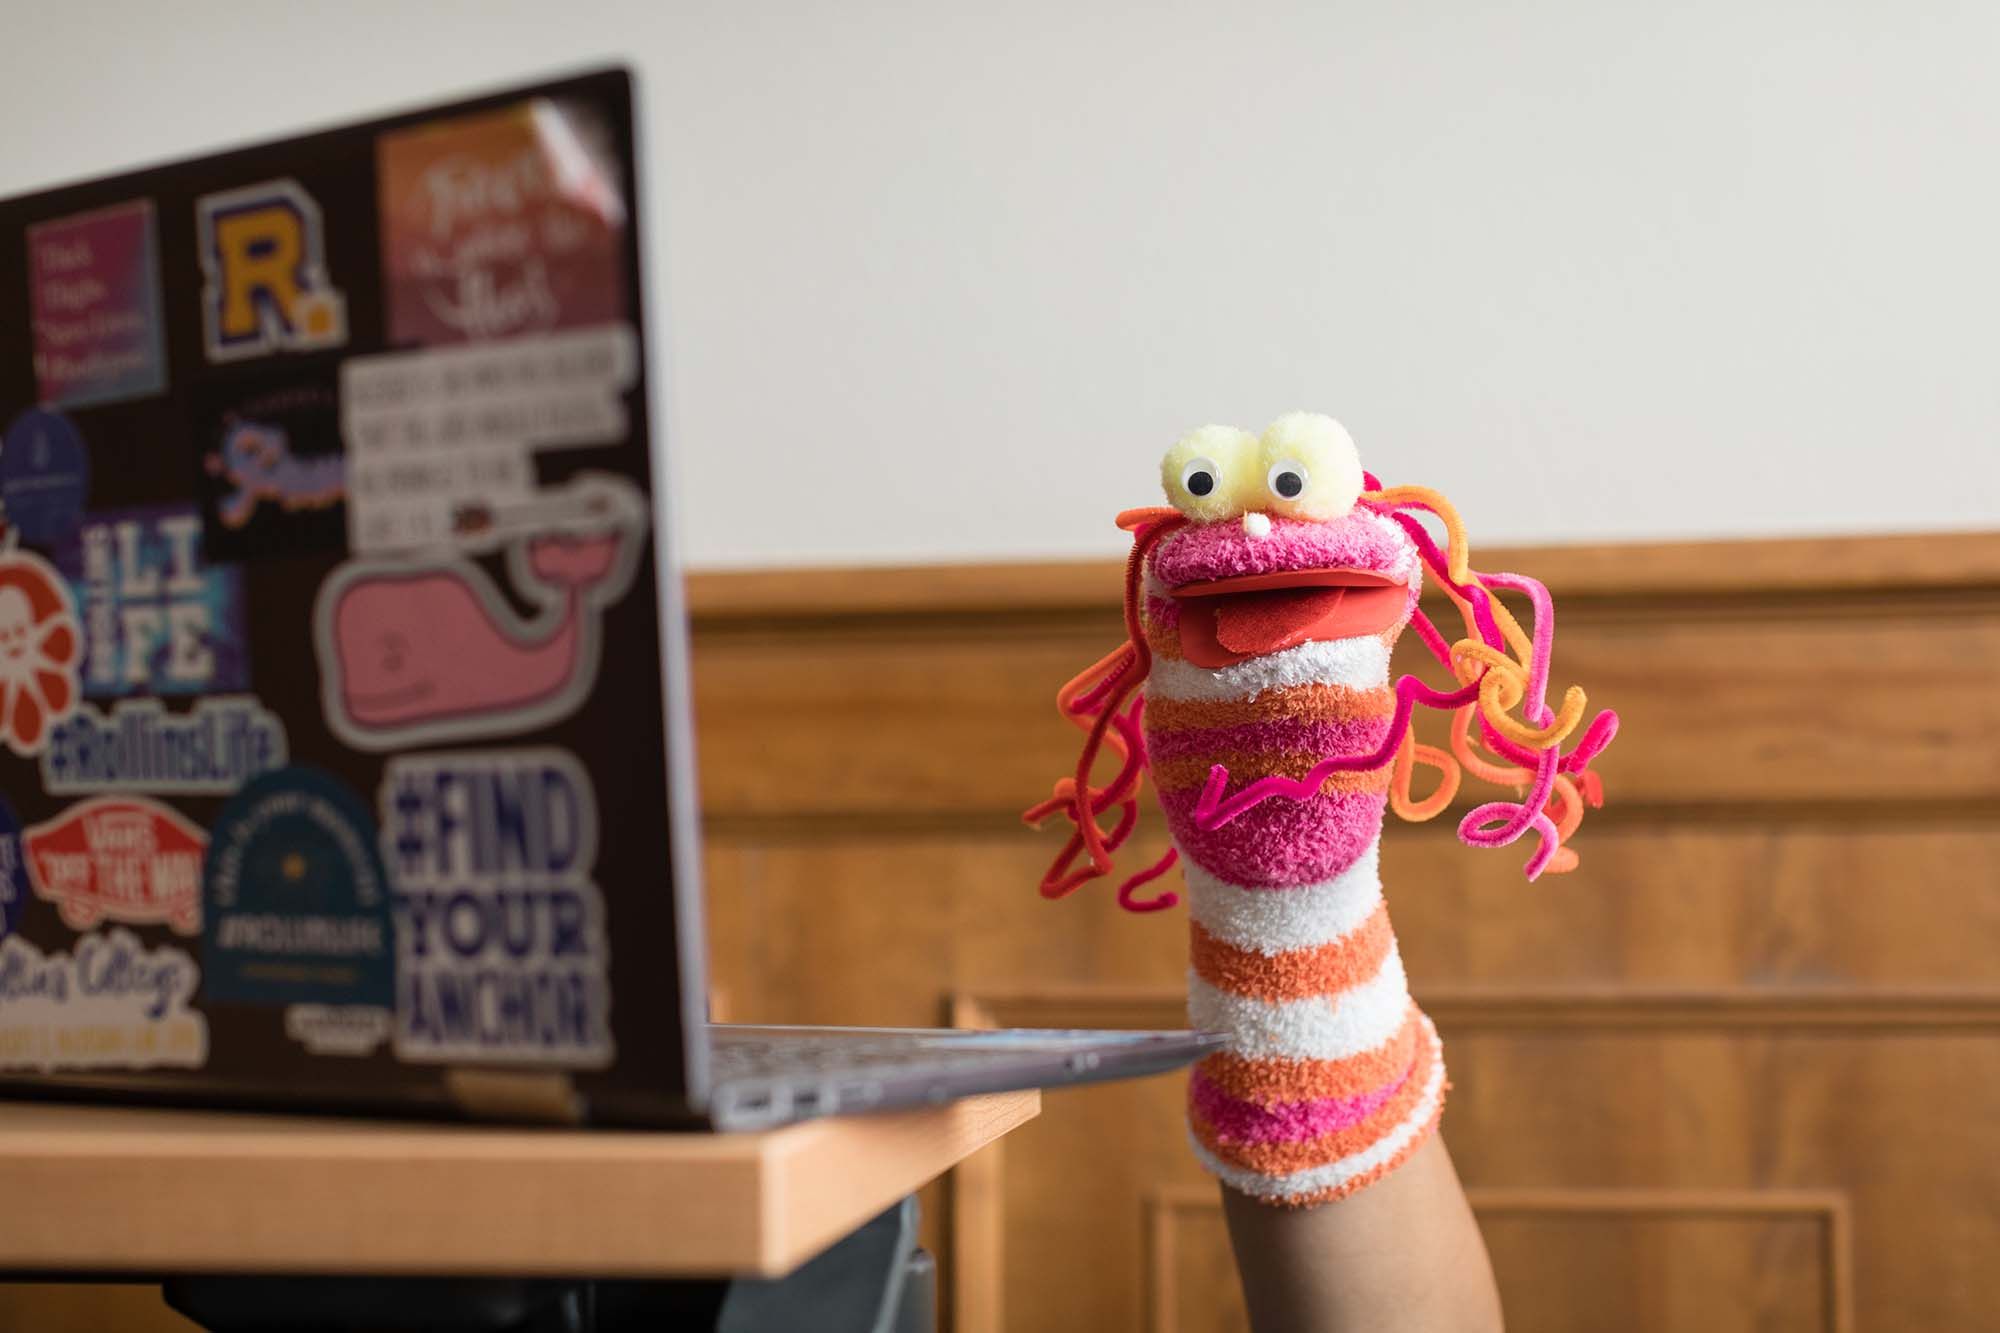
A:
(119, 858)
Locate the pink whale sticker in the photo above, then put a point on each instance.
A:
(426, 650)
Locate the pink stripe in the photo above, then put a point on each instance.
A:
(1353, 736)
(1236, 1121)
(1279, 844)
(1203, 551)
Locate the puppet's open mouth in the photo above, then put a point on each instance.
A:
(1226, 621)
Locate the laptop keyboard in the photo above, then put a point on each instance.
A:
(736, 1056)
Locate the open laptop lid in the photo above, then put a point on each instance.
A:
(335, 681)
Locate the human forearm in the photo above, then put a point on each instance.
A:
(1402, 1256)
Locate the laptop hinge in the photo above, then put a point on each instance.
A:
(488, 1094)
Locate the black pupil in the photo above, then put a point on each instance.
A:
(1290, 484)
(1200, 483)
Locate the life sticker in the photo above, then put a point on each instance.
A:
(120, 859)
(265, 284)
(442, 443)
(112, 1004)
(44, 476)
(138, 746)
(421, 651)
(13, 870)
(272, 473)
(500, 224)
(501, 948)
(297, 899)
(40, 647)
(157, 618)
(94, 293)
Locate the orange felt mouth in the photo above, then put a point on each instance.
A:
(1226, 621)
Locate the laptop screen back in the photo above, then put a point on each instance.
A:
(332, 739)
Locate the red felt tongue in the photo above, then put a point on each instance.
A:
(1255, 623)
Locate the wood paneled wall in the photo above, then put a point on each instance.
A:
(1740, 1071)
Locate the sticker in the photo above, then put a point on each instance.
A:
(298, 905)
(114, 1004)
(94, 289)
(338, 1029)
(499, 224)
(119, 858)
(44, 476)
(414, 652)
(264, 279)
(39, 648)
(13, 870)
(501, 950)
(156, 618)
(139, 746)
(441, 445)
(273, 477)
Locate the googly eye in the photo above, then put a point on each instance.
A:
(1309, 466)
(1200, 477)
(1206, 471)
(1287, 479)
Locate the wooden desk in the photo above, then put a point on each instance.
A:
(95, 1189)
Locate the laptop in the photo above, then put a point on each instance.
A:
(346, 760)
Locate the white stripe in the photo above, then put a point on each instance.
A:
(1333, 1174)
(1323, 1027)
(1272, 920)
(1361, 662)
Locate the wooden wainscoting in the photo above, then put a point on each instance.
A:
(1741, 1071)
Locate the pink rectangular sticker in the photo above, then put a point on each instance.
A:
(94, 286)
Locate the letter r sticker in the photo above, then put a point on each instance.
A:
(263, 261)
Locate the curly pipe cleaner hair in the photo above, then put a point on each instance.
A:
(1497, 666)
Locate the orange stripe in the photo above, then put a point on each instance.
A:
(1294, 974)
(1282, 1159)
(1268, 1080)
(1313, 702)
(1190, 772)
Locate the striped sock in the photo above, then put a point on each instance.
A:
(1332, 1076)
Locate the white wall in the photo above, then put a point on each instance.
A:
(943, 284)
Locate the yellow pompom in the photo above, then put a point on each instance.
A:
(1207, 474)
(1305, 467)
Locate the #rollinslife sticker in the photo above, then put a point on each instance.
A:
(297, 899)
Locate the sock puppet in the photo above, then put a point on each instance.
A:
(1254, 687)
